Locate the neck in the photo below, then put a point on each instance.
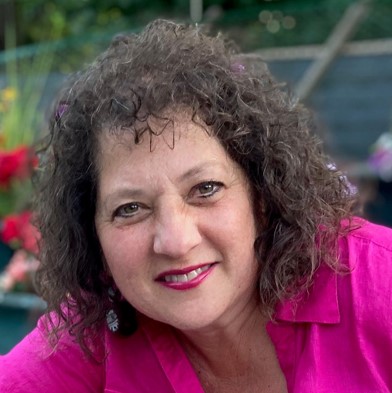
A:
(229, 350)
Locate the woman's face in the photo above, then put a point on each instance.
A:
(176, 226)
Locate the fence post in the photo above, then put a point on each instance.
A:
(342, 33)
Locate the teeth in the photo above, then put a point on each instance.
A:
(186, 277)
(192, 275)
(182, 278)
(171, 278)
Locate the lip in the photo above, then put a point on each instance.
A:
(180, 286)
(181, 271)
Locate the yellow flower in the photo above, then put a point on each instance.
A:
(9, 94)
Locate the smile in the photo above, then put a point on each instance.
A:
(186, 278)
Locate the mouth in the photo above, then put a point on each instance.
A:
(186, 278)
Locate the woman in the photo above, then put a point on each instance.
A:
(195, 239)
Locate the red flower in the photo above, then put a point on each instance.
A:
(16, 163)
(17, 229)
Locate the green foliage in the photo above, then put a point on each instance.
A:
(78, 17)
(313, 22)
(16, 198)
(79, 29)
(20, 123)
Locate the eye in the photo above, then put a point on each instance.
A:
(207, 189)
(127, 210)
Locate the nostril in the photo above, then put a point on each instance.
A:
(177, 242)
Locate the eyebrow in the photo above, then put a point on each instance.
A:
(139, 192)
(196, 170)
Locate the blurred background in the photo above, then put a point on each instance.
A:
(335, 55)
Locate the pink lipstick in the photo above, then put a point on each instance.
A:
(185, 278)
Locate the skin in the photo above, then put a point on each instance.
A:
(174, 208)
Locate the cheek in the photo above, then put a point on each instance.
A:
(125, 253)
(236, 221)
(233, 235)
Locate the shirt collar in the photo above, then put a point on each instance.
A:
(319, 304)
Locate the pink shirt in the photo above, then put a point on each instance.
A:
(337, 339)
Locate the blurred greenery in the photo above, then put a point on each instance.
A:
(84, 27)
(20, 95)
(305, 22)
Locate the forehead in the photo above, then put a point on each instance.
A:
(157, 132)
(165, 139)
(182, 153)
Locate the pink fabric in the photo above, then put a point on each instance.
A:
(34, 366)
(337, 338)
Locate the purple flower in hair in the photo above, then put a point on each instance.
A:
(237, 67)
(61, 109)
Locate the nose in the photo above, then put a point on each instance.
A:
(176, 231)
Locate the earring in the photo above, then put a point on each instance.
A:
(121, 316)
(112, 319)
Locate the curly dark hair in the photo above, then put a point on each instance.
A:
(299, 201)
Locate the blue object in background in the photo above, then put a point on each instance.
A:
(5, 255)
(18, 311)
(380, 209)
(18, 316)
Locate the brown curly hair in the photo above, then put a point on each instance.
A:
(298, 200)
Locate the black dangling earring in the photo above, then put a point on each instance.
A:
(112, 319)
(121, 316)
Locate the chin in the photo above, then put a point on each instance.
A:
(185, 322)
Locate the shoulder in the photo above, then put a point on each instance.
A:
(366, 234)
(367, 250)
(366, 289)
(35, 366)
(144, 361)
